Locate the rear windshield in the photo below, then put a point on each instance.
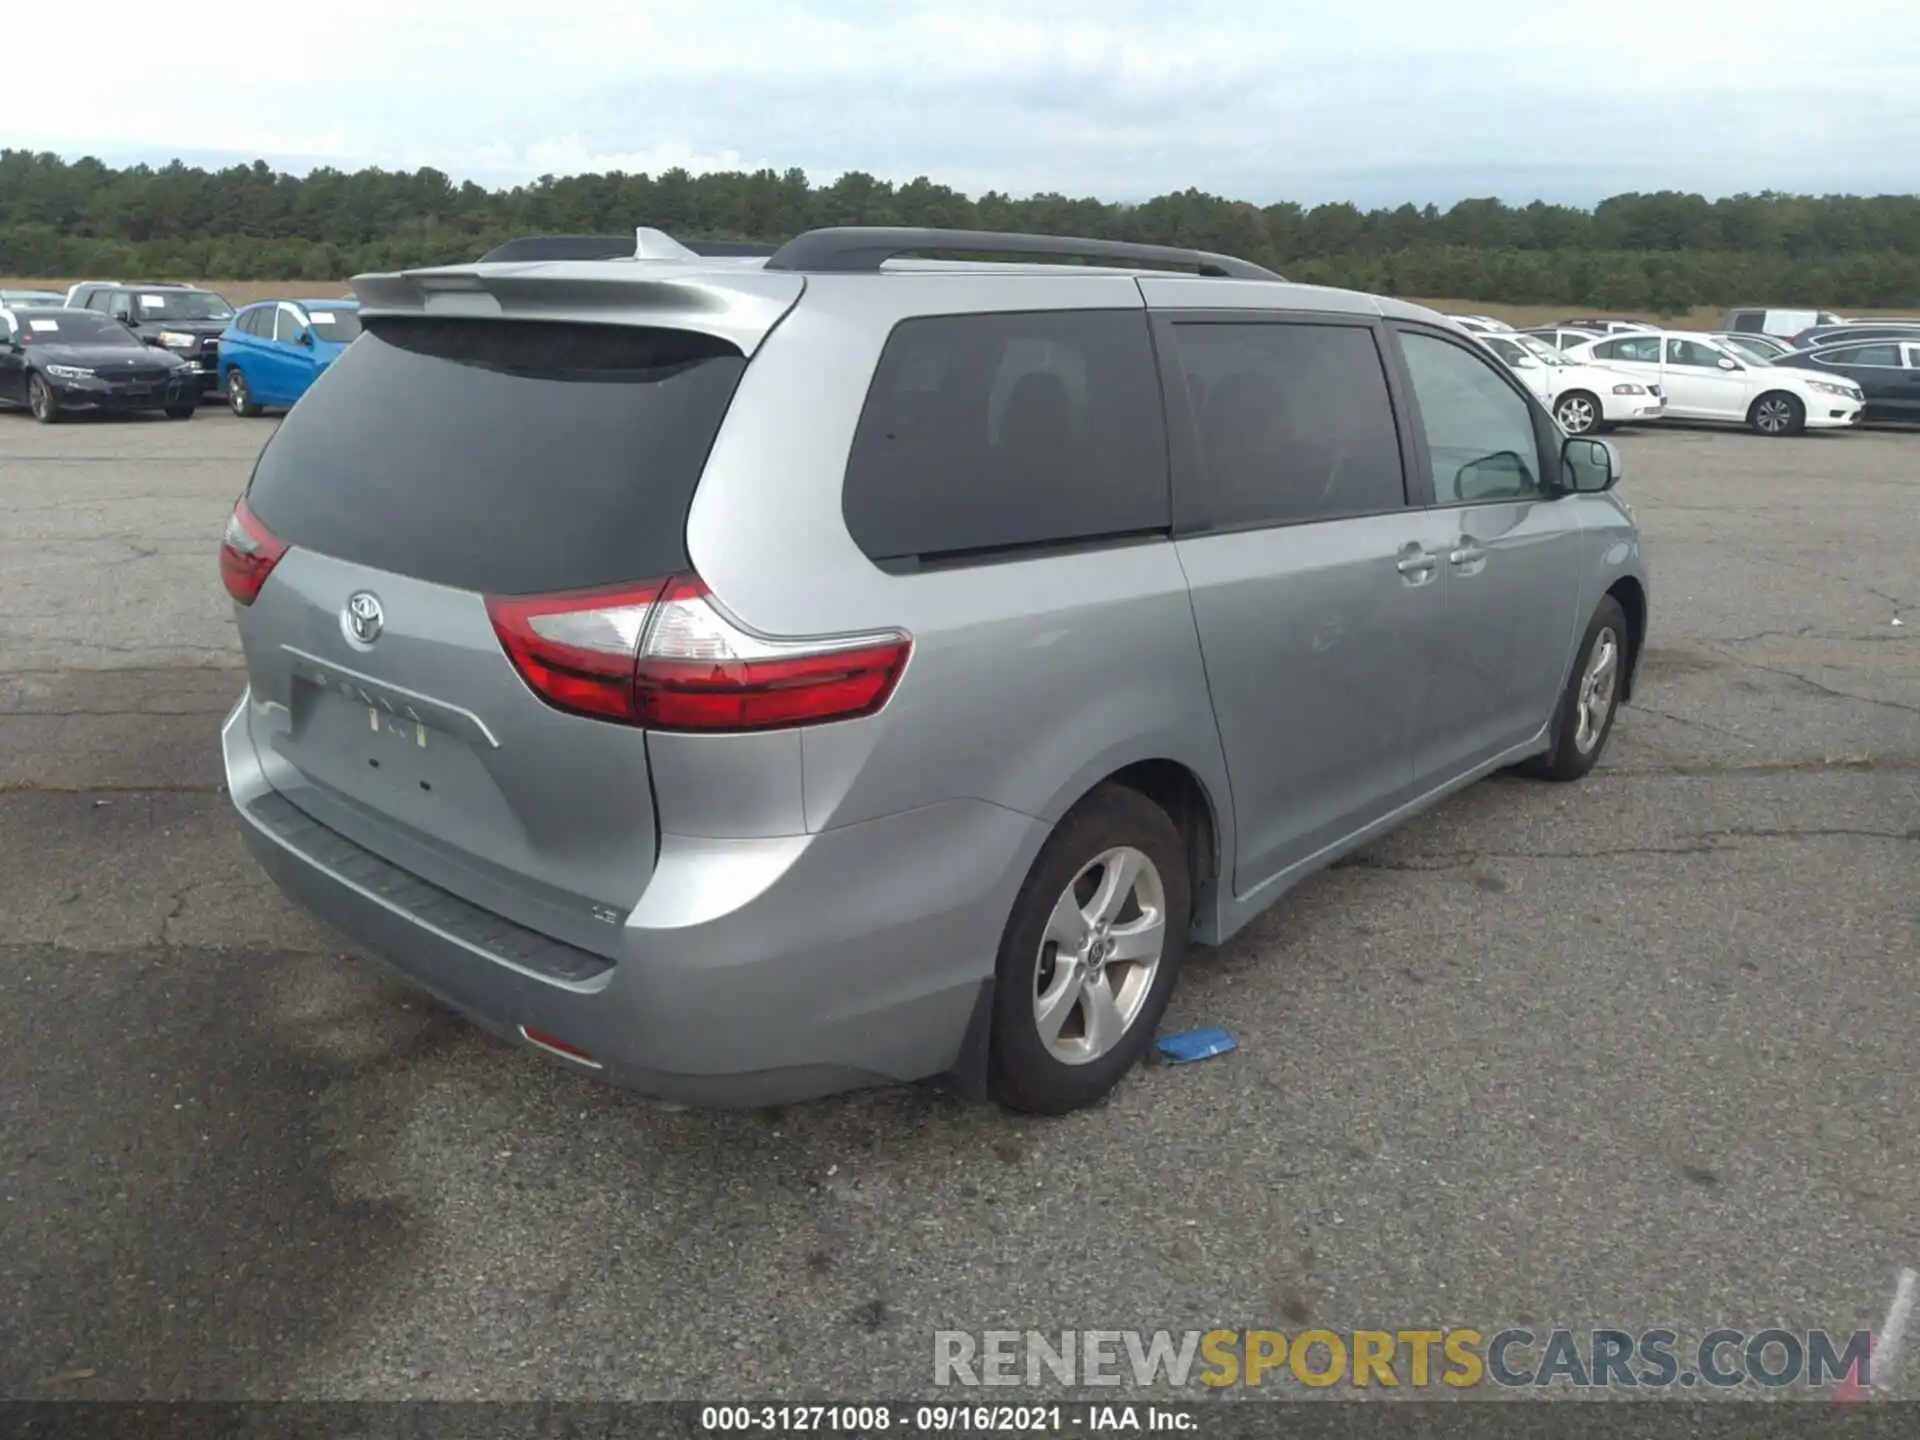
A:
(180, 305)
(507, 456)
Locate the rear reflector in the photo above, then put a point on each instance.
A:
(248, 553)
(558, 1046)
(662, 655)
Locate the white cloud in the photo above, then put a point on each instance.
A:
(1121, 98)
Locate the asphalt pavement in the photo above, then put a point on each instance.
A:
(1635, 1051)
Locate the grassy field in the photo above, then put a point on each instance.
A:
(241, 292)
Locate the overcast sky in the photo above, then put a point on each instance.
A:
(1372, 100)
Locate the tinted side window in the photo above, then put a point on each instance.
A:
(1862, 355)
(285, 327)
(1294, 422)
(983, 432)
(1481, 440)
(256, 322)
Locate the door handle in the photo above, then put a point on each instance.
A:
(1467, 554)
(1417, 565)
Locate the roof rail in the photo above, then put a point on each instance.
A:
(852, 249)
(606, 247)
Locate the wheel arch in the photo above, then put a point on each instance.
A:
(1631, 596)
(1198, 810)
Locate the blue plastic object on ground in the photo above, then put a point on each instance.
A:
(1189, 1045)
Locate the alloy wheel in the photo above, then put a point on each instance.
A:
(1594, 701)
(1576, 415)
(1099, 954)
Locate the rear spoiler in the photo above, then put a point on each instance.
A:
(740, 305)
(612, 247)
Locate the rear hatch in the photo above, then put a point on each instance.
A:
(442, 465)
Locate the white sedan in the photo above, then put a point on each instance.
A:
(1703, 380)
(1582, 397)
(1481, 324)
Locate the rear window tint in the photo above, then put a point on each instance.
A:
(985, 433)
(507, 456)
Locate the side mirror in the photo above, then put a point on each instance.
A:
(1726, 364)
(305, 337)
(1590, 467)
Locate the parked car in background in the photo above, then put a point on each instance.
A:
(1776, 322)
(1583, 398)
(637, 681)
(56, 362)
(80, 288)
(1887, 372)
(1752, 345)
(37, 299)
(1609, 327)
(1482, 324)
(1563, 337)
(1701, 379)
(275, 349)
(182, 319)
(1855, 330)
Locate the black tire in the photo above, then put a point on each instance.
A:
(1585, 406)
(1777, 413)
(182, 412)
(1568, 759)
(41, 400)
(1023, 1072)
(239, 398)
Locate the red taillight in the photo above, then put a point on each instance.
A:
(663, 656)
(248, 553)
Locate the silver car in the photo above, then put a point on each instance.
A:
(745, 678)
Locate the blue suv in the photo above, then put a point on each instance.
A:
(275, 349)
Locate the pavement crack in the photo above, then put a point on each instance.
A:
(39, 787)
(1751, 832)
(1818, 687)
(1704, 842)
(1688, 720)
(1858, 764)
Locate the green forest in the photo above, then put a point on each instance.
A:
(1664, 252)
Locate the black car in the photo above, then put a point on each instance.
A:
(1860, 330)
(1887, 372)
(69, 362)
(182, 319)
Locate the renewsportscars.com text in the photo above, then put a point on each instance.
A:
(1410, 1358)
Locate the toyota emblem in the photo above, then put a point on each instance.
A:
(363, 617)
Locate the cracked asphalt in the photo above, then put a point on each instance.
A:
(1631, 1052)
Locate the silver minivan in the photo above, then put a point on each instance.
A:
(745, 678)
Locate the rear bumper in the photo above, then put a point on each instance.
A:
(1631, 409)
(751, 973)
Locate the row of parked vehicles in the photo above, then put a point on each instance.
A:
(106, 346)
(1822, 373)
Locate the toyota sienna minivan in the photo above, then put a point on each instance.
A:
(749, 677)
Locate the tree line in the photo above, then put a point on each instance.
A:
(1665, 252)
